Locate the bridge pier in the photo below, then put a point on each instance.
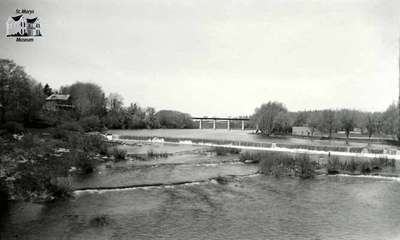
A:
(215, 119)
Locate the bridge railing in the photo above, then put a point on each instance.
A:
(214, 121)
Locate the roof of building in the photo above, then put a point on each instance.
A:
(31, 20)
(16, 18)
(301, 127)
(63, 97)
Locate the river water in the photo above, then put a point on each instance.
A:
(247, 206)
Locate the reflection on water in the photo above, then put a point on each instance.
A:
(255, 207)
(250, 208)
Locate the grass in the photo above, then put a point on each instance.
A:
(223, 151)
(153, 154)
(222, 180)
(255, 156)
(83, 161)
(282, 164)
(100, 221)
(61, 188)
(360, 165)
(118, 153)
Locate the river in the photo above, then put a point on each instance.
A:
(246, 206)
(245, 136)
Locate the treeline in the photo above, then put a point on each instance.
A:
(22, 102)
(274, 118)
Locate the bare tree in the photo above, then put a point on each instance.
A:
(114, 102)
(88, 98)
(266, 114)
(328, 122)
(314, 121)
(347, 122)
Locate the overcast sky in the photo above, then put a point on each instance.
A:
(217, 58)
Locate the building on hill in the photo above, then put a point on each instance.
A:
(304, 131)
(56, 102)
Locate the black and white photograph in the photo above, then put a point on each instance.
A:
(200, 120)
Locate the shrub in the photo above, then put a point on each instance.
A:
(282, 164)
(333, 165)
(118, 153)
(13, 127)
(223, 151)
(222, 180)
(100, 221)
(306, 168)
(275, 163)
(83, 161)
(29, 141)
(362, 165)
(95, 143)
(153, 154)
(91, 123)
(71, 126)
(60, 189)
(255, 156)
(365, 167)
(58, 133)
(351, 165)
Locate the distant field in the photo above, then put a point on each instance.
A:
(238, 135)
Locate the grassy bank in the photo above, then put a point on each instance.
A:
(307, 166)
(282, 164)
(358, 165)
(35, 166)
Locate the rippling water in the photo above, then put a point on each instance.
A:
(238, 135)
(254, 207)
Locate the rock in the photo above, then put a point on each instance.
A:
(249, 161)
(21, 159)
(18, 136)
(62, 150)
(222, 180)
(10, 179)
(109, 137)
(332, 171)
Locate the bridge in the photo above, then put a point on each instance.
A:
(215, 119)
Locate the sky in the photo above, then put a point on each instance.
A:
(217, 58)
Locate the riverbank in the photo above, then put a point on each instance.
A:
(36, 165)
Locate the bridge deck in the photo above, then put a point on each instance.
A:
(219, 118)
